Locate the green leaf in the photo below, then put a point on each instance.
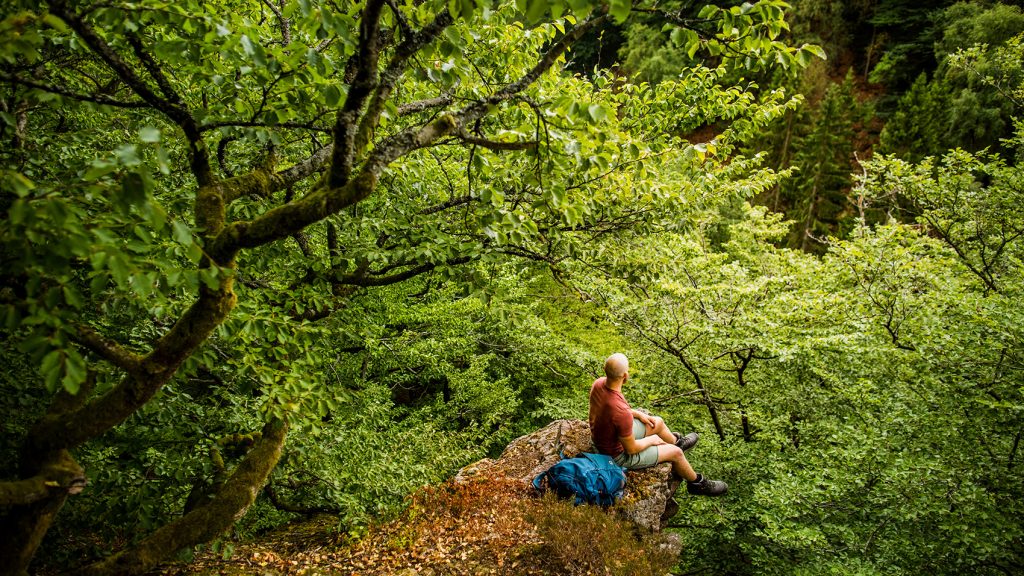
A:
(72, 296)
(17, 182)
(619, 9)
(581, 8)
(55, 23)
(134, 188)
(181, 232)
(535, 10)
(210, 277)
(149, 134)
(51, 362)
(254, 50)
(815, 50)
(332, 95)
(51, 369)
(99, 169)
(74, 372)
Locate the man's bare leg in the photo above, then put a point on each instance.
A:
(680, 465)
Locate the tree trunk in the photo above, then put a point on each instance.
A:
(706, 396)
(49, 477)
(208, 520)
(783, 158)
(35, 503)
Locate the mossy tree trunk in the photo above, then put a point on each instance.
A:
(349, 167)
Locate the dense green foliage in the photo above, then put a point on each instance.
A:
(844, 331)
(965, 103)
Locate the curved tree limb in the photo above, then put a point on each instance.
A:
(207, 521)
(409, 46)
(64, 475)
(22, 527)
(56, 431)
(107, 349)
(285, 220)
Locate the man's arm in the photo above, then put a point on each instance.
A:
(645, 418)
(632, 445)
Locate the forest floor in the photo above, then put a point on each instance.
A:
(483, 526)
(477, 528)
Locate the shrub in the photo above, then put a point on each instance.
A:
(588, 540)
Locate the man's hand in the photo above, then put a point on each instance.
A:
(646, 419)
(632, 446)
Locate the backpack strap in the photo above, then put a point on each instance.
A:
(538, 481)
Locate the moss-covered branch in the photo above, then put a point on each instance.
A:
(229, 503)
(25, 522)
(364, 82)
(62, 475)
(107, 349)
(56, 431)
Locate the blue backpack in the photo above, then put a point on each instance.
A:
(589, 478)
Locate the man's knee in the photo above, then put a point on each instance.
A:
(658, 423)
(669, 453)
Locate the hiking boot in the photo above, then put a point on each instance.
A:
(686, 442)
(704, 487)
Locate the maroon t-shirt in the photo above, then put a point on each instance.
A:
(610, 418)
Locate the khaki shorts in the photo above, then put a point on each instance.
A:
(643, 459)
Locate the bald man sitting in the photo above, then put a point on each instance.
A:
(636, 440)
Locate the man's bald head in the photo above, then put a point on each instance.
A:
(616, 366)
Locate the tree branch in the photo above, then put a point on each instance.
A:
(155, 72)
(56, 431)
(173, 109)
(285, 220)
(495, 145)
(457, 201)
(366, 57)
(368, 280)
(409, 46)
(247, 124)
(62, 476)
(94, 98)
(421, 105)
(107, 349)
(208, 520)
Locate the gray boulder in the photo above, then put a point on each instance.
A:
(648, 501)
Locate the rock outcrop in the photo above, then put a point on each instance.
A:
(648, 500)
